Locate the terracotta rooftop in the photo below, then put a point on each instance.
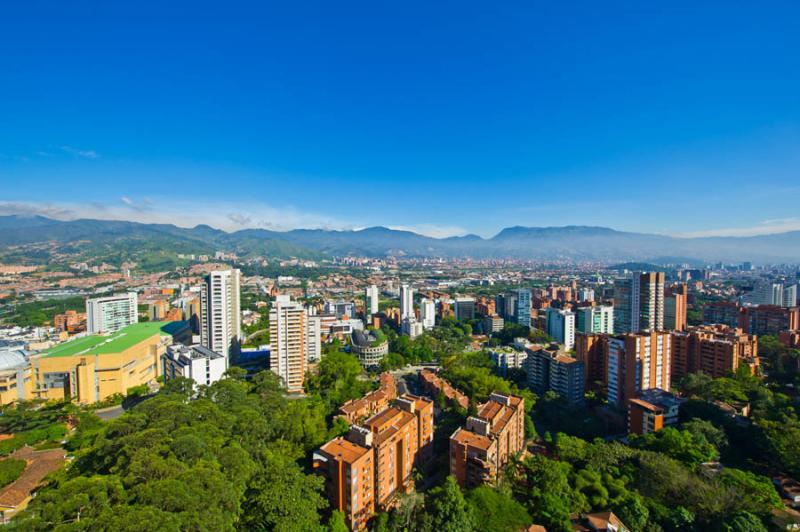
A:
(471, 439)
(345, 449)
(40, 464)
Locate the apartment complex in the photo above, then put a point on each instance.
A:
(368, 468)
(479, 450)
(371, 300)
(561, 326)
(372, 403)
(288, 337)
(112, 313)
(592, 351)
(553, 370)
(406, 302)
(716, 350)
(595, 320)
(433, 385)
(639, 303)
(464, 308)
(220, 313)
(675, 307)
(637, 362)
(523, 306)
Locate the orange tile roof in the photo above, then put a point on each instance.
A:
(471, 439)
(40, 464)
(344, 449)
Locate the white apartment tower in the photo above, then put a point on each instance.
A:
(406, 302)
(220, 313)
(112, 313)
(427, 313)
(289, 339)
(561, 326)
(371, 300)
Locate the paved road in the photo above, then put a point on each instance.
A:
(107, 414)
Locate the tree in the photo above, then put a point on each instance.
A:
(337, 522)
(449, 510)
(743, 522)
(497, 510)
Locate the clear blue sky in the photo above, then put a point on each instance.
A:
(444, 117)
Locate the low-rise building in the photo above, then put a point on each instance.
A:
(433, 385)
(372, 403)
(195, 362)
(90, 369)
(508, 358)
(492, 324)
(370, 347)
(653, 410)
(716, 350)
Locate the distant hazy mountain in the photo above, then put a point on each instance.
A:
(539, 243)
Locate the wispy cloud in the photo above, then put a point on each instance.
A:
(432, 230)
(77, 152)
(766, 227)
(222, 215)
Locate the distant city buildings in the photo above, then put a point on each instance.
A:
(112, 313)
(522, 307)
(427, 312)
(464, 308)
(220, 313)
(493, 324)
(406, 301)
(371, 300)
(411, 327)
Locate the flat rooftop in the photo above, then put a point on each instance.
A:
(471, 439)
(117, 342)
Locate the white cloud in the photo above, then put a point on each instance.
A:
(766, 227)
(222, 215)
(432, 230)
(77, 152)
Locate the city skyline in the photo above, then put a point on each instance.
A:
(538, 111)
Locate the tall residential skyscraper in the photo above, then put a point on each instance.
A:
(637, 362)
(371, 300)
(599, 319)
(220, 313)
(675, 306)
(639, 303)
(406, 302)
(112, 313)
(522, 312)
(313, 336)
(289, 339)
(427, 313)
(561, 326)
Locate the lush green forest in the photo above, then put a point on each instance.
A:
(237, 455)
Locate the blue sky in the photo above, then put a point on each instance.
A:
(441, 117)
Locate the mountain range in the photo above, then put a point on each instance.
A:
(568, 243)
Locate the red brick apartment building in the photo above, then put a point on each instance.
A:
(433, 385)
(715, 350)
(484, 446)
(365, 470)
